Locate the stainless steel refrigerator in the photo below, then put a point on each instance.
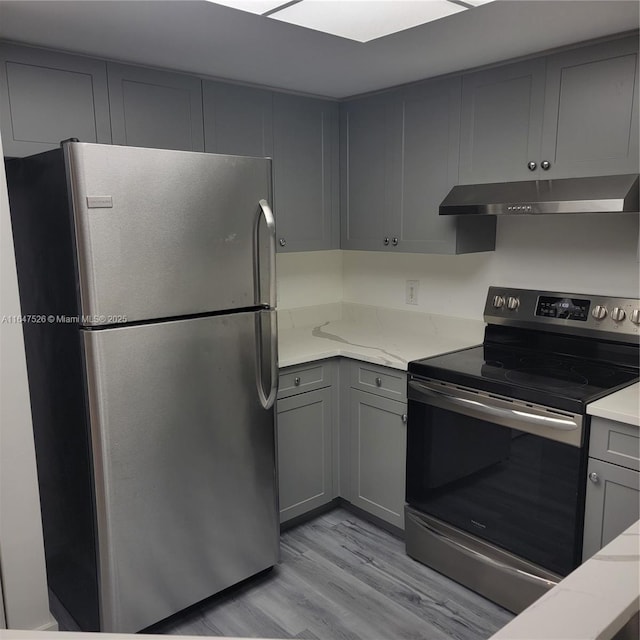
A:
(147, 284)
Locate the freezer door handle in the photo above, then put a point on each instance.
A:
(268, 300)
(267, 363)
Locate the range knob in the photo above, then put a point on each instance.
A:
(599, 312)
(635, 316)
(498, 302)
(512, 303)
(618, 314)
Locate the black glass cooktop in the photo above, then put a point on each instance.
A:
(560, 381)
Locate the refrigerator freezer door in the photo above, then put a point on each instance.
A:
(184, 459)
(161, 234)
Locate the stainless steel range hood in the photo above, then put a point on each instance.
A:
(601, 194)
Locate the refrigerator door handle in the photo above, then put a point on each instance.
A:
(266, 213)
(267, 400)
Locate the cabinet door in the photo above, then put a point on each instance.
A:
(237, 120)
(429, 168)
(368, 129)
(304, 452)
(612, 504)
(377, 456)
(151, 108)
(591, 110)
(46, 97)
(501, 122)
(305, 172)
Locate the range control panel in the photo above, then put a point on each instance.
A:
(580, 314)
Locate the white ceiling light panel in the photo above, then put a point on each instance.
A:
(252, 6)
(364, 20)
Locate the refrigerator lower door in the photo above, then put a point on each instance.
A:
(184, 463)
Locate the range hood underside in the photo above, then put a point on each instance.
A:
(602, 194)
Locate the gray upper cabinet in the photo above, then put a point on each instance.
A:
(305, 173)
(428, 169)
(46, 97)
(151, 108)
(501, 122)
(237, 120)
(366, 151)
(571, 114)
(399, 160)
(591, 110)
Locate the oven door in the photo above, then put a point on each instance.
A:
(505, 471)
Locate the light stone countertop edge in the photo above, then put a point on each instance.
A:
(592, 603)
(622, 406)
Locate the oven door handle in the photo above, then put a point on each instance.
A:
(476, 406)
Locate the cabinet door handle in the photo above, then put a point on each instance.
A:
(545, 164)
(282, 242)
(594, 477)
(386, 242)
(532, 165)
(394, 242)
(296, 381)
(378, 382)
(403, 417)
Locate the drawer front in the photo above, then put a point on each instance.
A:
(615, 442)
(307, 377)
(379, 380)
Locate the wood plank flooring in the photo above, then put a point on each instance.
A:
(340, 578)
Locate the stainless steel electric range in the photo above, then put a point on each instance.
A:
(497, 439)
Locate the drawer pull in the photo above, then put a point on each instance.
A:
(404, 418)
(296, 381)
(378, 382)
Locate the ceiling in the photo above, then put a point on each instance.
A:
(208, 39)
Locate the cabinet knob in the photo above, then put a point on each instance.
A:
(403, 417)
(378, 382)
(594, 477)
(532, 166)
(545, 164)
(394, 242)
(283, 242)
(386, 242)
(296, 381)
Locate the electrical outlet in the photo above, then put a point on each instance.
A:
(411, 291)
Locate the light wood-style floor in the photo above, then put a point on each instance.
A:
(342, 578)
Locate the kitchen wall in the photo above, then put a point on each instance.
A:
(310, 278)
(581, 254)
(24, 586)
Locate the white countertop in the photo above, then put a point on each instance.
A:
(389, 337)
(592, 603)
(623, 406)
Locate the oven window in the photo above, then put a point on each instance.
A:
(516, 490)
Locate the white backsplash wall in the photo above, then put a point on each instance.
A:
(305, 279)
(572, 253)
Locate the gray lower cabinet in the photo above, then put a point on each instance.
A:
(46, 97)
(613, 484)
(377, 455)
(237, 120)
(399, 161)
(376, 441)
(305, 423)
(152, 108)
(305, 173)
